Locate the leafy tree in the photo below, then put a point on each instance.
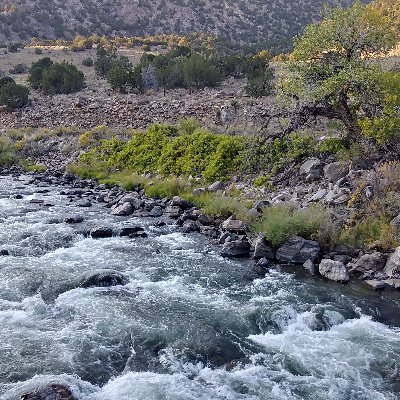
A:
(198, 72)
(5, 80)
(117, 77)
(62, 78)
(36, 72)
(13, 96)
(259, 75)
(331, 74)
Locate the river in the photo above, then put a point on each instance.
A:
(185, 324)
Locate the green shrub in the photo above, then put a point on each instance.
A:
(13, 96)
(8, 154)
(38, 51)
(36, 72)
(332, 146)
(88, 62)
(18, 69)
(280, 222)
(62, 78)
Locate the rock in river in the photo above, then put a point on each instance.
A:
(334, 270)
(50, 392)
(99, 232)
(297, 250)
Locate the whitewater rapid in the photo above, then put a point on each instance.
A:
(187, 325)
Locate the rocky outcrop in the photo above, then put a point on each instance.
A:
(392, 267)
(334, 270)
(297, 250)
(368, 264)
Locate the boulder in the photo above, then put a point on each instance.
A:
(311, 169)
(393, 283)
(234, 226)
(310, 267)
(297, 250)
(84, 203)
(262, 263)
(173, 212)
(260, 205)
(104, 279)
(51, 392)
(4, 252)
(369, 263)
(122, 210)
(262, 249)
(205, 219)
(130, 230)
(156, 212)
(216, 186)
(73, 219)
(377, 284)
(334, 270)
(100, 232)
(179, 202)
(395, 222)
(138, 234)
(190, 226)
(392, 267)
(335, 171)
(237, 248)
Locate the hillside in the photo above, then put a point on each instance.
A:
(253, 21)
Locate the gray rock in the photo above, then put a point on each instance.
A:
(179, 202)
(334, 270)
(262, 263)
(393, 283)
(395, 222)
(74, 219)
(190, 226)
(337, 196)
(311, 166)
(310, 267)
(122, 209)
(130, 230)
(237, 248)
(51, 392)
(369, 263)
(99, 232)
(173, 211)
(216, 186)
(297, 250)
(205, 219)
(260, 205)
(262, 249)
(199, 191)
(156, 212)
(104, 279)
(319, 195)
(376, 284)
(234, 225)
(392, 267)
(84, 203)
(335, 171)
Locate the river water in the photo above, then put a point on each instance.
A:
(186, 325)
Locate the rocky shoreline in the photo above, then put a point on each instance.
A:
(343, 264)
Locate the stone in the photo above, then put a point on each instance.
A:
(376, 284)
(190, 226)
(104, 279)
(216, 186)
(392, 267)
(84, 203)
(334, 270)
(4, 252)
(205, 219)
(74, 219)
(179, 202)
(173, 212)
(199, 191)
(126, 231)
(311, 169)
(138, 234)
(100, 232)
(393, 283)
(395, 222)
(310, 267)
(235, 249)
(234, 226)
(262, 263)
(262, 249)
(319, 195)
(122, 210)
(335, 171)
(260, 205)
(337, 196)
(156, 212)
(51, 392)
(369, 263)
(297, 250)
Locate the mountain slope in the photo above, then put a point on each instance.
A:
(236, 20)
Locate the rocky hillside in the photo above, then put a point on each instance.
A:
(256, 21)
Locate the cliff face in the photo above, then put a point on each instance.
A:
(237, 20)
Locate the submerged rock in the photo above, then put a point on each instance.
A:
(100, 232)
(334, 270)
(73, 219)
(297, 250)
(104, 279)
(51, 392)
(127, 231)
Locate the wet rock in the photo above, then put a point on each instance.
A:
(100, 232)
(4, 252)
(310, 267)
(138, 234)
(18, 197)
(130, 230)
(173, 212)
(84, 203)
(234, 226)
(237, 248)
(216, 186)
(205, 219)
(227, 237)
(50, 392)
(393, 283)
(73, 219)
(376, 284)
(190, 226)
(156, 212)
(122, 210)
(104, 279)
(335, 171)
(334, 270)
(297, 250)
(179, 202)
(262, 263)
(262, 249)
(311, 169)
(392, 267)
(36, 201)
(369, 263)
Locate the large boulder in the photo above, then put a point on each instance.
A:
(130, 230)
(262, 249)
(298, 250)
(392, 267)
(51, 392)
(173, 212)
(311, 169)
(369, 263)
(122, 210)
(216, 186)
(100, 232)
(104, 279)
(334, 270)
(179, 202)
(234, 226)
(335, 171)
(236, 248)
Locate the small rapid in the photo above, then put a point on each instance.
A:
(183, 323)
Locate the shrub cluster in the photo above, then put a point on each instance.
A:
(12, 96)
(55, 78)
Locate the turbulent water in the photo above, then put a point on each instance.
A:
(187, 325)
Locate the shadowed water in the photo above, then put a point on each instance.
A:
(185, 324)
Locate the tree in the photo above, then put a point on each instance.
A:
(117, 77)
(13, 96)
(199, 73)
(62, 78)
(330, 73)
(259, 75)
(36, 72)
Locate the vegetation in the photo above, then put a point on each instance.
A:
(12, 96)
